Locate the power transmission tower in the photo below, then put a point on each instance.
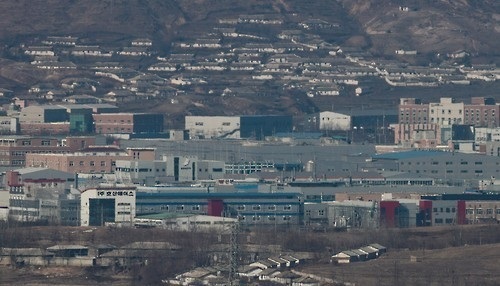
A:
(234, 253)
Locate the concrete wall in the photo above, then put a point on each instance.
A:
(213, 126)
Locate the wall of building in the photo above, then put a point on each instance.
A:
(213, 126)
(251, 208)
(334, 121)
(259, 126)
(107, 205)
(93, 160)
(32, 128)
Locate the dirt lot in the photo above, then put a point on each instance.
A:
(466, 265)
(39, 276)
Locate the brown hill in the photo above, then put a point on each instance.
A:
(429, 26)
(441, 26)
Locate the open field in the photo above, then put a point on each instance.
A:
(465, 265)
(460, 255)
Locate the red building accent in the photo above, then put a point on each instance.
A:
(425, 213)
(461, 215)
(389, 213)
(215, 207)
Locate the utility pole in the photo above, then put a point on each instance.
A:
(234, 253)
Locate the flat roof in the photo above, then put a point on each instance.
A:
(408, 155)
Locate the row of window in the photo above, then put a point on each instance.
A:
(109, 121)
(268, 218)
(480, 211)
(91, 163)
(444, 209)
(447, 163)
(320, 212)
(478, 172)
(178, 208)
(440, 220)
(259, 208)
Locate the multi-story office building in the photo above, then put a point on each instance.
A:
(102, 205)
(13, 149)
(447, 166)
(412, 111)
(424, 135)
(128, 123)
(446, 112)
(190, 168)
(237, 127)
(90, 160)
(40, 194)
(43, 114)
(482, 112)
(257, 208)
(436, 119)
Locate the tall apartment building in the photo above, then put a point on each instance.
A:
(446, 112)
(412, 111)
(436, 119)
(482, 112)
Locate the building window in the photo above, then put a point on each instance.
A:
(26, 142)
(180, 208)
(103, 163)
(240, 208)
(71, 163)
(256, 208)
(81, 163)
(438, 220)
(321, 212)
(449, 220)
(271, 208)
(199, 124)
(195, 208)
(45, 142)
(489, 211)
(287, 208)
(92, 163)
